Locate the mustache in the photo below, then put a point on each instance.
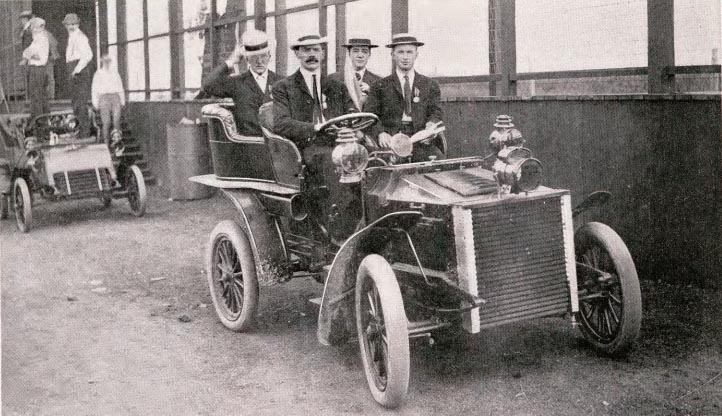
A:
(311, 59)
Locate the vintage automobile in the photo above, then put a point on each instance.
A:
(52, 162)
(409, 250)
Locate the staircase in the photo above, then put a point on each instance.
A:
(133, 154)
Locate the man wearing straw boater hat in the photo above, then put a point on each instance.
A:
(359, 52)
(307, 98)
(405, 101)
(250, 89)
(77, 57)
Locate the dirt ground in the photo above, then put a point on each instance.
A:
(104, 314)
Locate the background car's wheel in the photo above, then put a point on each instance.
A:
(610, 310)
(232, 276)
(135, 185)
(22, 205)
(382, 331)
(4, 206)
(106, 199)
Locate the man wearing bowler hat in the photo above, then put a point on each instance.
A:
(405, 101)
(306, 99)
(250, 89)
(359, 52)
(77, 57)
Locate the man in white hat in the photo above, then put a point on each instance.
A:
(307, 98)
(77, 57)
(405, 101)
(36, 57)
(250, 89)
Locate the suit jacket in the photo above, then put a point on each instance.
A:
(246, 95)
(386, 100)
(293, 106)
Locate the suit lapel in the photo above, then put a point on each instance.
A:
(301, 83)
(250, 81)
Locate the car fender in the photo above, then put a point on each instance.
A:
(264, 233)
(336, 322)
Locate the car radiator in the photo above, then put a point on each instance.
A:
(517, 255)
(82, 181)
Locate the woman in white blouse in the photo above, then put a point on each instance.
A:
(108, 97)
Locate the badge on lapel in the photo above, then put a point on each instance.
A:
(416, 95)
(324, 105)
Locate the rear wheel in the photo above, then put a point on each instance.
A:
(382, 331)
(135, 185)
(22, 205)
(232, 276)
(610, 307)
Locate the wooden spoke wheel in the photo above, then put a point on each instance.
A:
(232, 276)
(382, 331)
(610, 305)
(22, 205)
(137, 196)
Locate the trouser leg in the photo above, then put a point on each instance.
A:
(51, 81)
(105, 118)
(80, 93)
(37, 84)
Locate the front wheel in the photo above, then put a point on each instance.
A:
(232, 276)
(135, 185)
(382, 331)
(22, 205)
(610, 306)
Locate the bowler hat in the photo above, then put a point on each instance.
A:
(359, 42)
(71, 19)
(403, 39)
(308, 40)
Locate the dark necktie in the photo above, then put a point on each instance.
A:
(407, 95)
(317, 112)
(358, 76)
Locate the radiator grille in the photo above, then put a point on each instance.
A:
(520, 260)
(82, 181)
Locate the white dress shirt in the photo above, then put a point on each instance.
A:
(307, 76)
(261, 79)
(106, 81)
(37, 53)
(78, 49)
(411, 74)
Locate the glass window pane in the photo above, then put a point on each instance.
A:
(299, 24)
(134, 19)
(456, 38)
(250, 7)
(159, 65)
(270, 5)
(136, 96)
(136, 66)
(195, 12)
(372, 19)
(331, 35)
(193, 45)
(157, 17)
(559, 35)
(221, 7)
(295, 3)
(112, 22)
(697, 35)
(160, 96)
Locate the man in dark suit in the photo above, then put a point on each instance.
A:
(405, 101)
(250, 89)
(359, 52)
(306, 99)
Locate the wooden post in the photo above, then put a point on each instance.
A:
(146, 52)
(103, 26)
(177, 60)
(399, 16)
(281, 39)
(660, 46)
(122, 37)
(340, 35)
(259, 14)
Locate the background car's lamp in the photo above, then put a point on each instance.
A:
(515, 168)
(504, 134)
(349, 157)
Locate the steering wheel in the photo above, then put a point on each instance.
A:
(353, 121)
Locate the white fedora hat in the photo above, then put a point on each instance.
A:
(308, 40)
(254, 42)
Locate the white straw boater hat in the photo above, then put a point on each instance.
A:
(308, 40)
(403, 39)
(254, 42)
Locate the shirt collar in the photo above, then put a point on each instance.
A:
(361, 72)
(401, 74)
(257, 76)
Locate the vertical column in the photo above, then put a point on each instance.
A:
(146, 52)
(660, 46)
(340, 35)
(399, 16)
(259, 7)
(281, 38)
(507, 46)
(177, 58)
(212, 35)
(323, 32)
(102, 27)
(122, 38)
